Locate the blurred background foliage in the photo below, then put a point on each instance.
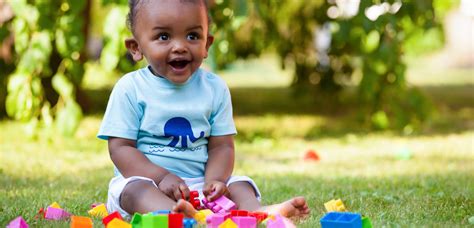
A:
(330, 45)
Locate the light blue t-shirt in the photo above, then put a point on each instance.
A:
(170, 123)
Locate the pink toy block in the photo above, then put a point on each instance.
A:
(53, 213)
(277, 222)
(19, 222)
(245, 221)
(214, 220)
(220, 205)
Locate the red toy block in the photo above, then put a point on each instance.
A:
(194, 199)
(260, 216)
(110, 217)
(175, 220)
(311, 155)
(41, 213)
(239, 213)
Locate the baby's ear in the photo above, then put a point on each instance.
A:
(209, 41)
(134, 49)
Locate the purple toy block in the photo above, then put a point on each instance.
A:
(220, 205)
(19, 222)
(277, 223)
(214, 220)
(56, 213)
(245, 221)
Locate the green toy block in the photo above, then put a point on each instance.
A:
(150, 221)
(366, 223)
(136, 220)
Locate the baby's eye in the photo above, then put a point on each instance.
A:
(163, 36)
(192, 36)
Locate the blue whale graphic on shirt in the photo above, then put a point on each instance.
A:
(180, 129)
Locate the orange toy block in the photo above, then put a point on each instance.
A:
(81, 222)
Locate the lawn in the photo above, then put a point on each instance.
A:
(433, 187)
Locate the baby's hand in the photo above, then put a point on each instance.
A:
(214, 189)
(174, 187)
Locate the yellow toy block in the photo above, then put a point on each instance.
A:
(98, 211)
(118, 223)
(55, 205)
(228, 223)
(335, 205)
(201, 216)
(81, 222)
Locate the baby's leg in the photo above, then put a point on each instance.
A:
(243, 194)
(142, 196)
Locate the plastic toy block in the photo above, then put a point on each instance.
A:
(110, 217)
(161, 212)
(366, 222)
(41, 213)
(220, 205)
(136, 220)
(201, 216)
(228, 223)
(239, 213)
(335, 205)
(341, 220)
(81, 222)
(245, 221)
(151, 221)
(175, 220)
(260, 216)
(98, 211)
(214, 220)
(188, 223)
(53, 213)
(18, 222)
(311, 155)
(194, 199)
(275, 222)
(118, 223)
(55, 205)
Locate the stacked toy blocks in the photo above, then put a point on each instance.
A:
(220, 205)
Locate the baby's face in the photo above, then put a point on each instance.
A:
(172, 35)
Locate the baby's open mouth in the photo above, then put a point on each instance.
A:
(179, 64)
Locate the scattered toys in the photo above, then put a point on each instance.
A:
(335, 205)
(311, 155)
(18, 222)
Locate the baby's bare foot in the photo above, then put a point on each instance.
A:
(184, 207)
(295, 207)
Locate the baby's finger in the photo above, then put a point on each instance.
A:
(207, 189)
(183, 188)
(177, 194)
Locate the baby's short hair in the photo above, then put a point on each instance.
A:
(134, 5)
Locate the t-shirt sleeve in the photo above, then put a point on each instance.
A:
(222, 122)
(123, 113)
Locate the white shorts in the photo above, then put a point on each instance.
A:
(117, 184)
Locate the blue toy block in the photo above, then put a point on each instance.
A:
(341, 220)
(161, 212)
(189, 222)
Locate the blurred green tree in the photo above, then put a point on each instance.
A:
(330, 44)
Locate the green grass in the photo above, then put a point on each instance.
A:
(435, 188)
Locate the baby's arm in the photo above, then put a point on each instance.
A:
(219, 167)
(131, 162)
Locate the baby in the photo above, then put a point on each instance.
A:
(169, 125)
